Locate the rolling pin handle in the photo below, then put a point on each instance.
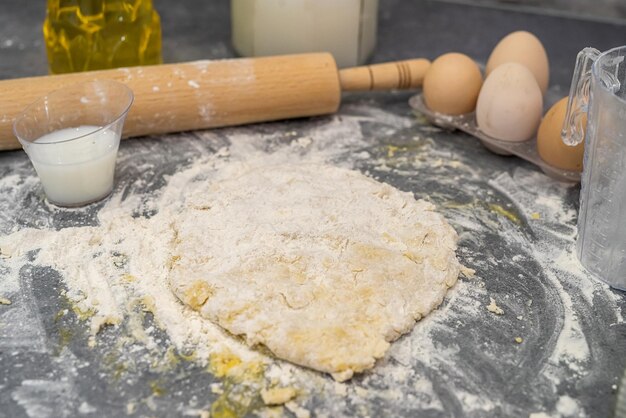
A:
(388, 76)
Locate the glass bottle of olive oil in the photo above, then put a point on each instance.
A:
(84, 35)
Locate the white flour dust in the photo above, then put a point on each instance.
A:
(122, 264)
(118, 268)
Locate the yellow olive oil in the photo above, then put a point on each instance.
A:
(84, 35)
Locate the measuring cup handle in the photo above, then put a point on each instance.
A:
(573, 132)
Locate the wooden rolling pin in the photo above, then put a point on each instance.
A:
(208, 94)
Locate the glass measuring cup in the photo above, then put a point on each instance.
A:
(598, 92)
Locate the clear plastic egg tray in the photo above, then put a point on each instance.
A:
(526, 150)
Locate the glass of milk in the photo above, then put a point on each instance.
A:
(345, 28)
(72, 136)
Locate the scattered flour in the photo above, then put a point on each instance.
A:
(112, 272)
(567, 407)
(112, 269)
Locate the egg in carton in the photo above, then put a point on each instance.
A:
(504, 111)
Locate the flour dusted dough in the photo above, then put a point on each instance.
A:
(324, 266)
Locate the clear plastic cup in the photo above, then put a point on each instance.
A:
(598, 95)
(72, 136)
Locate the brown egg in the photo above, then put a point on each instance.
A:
(451, 84)
(526, 49)
(549, 144)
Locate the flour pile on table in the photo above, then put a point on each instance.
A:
(322, 265)
(516, 228)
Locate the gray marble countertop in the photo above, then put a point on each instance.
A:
(478, 371)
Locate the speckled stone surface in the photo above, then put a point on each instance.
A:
(52, 372)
